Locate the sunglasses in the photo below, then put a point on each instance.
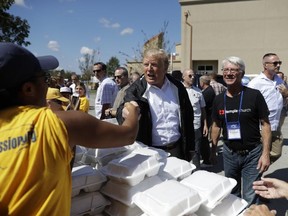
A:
(191, 76)
(274, 63)
(97, 71)
(119, 76)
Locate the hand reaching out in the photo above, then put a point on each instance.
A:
(271, 188)
(259, 210)
(128, 107)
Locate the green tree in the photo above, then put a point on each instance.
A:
(12, 28)
(86, 65)
(112, 64)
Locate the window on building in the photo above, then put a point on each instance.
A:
(204, 69)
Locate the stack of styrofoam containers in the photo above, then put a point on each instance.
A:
(169, 198)
(128, 176)
(121, 196)
(102, 156)
(202, 193)
(99, 157)
(86, 198)
(215, 190)
(134, 167)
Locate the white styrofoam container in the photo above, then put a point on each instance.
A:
(119, 209)
(169, 198)
(132, 168)
(88, 160)
(103, 152)
(86, 178)
(211, 186)
(79, 152)
(157, 153)
(229, 206)
(124, 193)
(85, 203)
(101, 156)
(111, 120)
(105, 155)
(175, 168)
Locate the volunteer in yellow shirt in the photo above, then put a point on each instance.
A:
(36, 143)
(84, 101)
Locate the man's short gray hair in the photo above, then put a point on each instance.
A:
(236, 61)
(205, 79)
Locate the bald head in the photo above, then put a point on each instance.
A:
(188, 77)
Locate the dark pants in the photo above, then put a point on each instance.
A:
(175, 151)
(205, 149)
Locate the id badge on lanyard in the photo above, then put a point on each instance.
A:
(233, 128)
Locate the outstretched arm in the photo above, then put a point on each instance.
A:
(271, 188)
(86, 130)
(259, 210)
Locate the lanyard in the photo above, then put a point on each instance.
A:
(240, 105)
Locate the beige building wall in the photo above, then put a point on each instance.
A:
(247, 29)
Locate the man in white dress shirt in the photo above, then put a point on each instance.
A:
(106, 92)
(166, 112)
(198, 103)
(272, 88)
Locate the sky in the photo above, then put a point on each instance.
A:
(67, 29)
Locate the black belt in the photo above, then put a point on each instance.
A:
(244, 151)
(241, 152)
(169, 146)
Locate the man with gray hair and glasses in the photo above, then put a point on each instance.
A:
(239, 111)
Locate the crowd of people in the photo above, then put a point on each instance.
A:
(153, 107)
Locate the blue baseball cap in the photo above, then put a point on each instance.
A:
(18, 65)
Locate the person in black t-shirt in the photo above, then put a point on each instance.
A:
(209, 95)
(239, 111)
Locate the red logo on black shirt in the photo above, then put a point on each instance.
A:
(221, 112)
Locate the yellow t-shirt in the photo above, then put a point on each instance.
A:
(35, 177)
(84, 104)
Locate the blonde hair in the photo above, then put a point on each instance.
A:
(160, 54)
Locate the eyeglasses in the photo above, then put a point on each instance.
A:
(191, 76)
(274, 63)
(231, 70)
(97, 71)
(119, 76)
